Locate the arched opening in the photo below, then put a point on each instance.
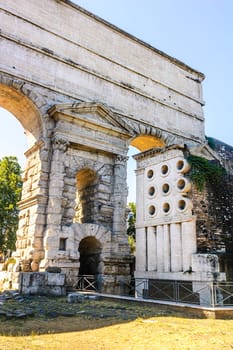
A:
(23, 110)
(131, 179)
(86, 190)
(140, 143)
(22, 127)
(12, 137)
(90, 256)
(146, 142)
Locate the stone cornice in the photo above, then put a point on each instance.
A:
(38, 145)
(38, 199)
(158, 151)
(166, 220)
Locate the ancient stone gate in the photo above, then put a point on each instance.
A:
(84, 91)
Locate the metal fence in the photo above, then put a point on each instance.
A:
(86, 283)
(209, 294)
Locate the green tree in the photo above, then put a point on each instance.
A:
(131, 231)
(10, 194)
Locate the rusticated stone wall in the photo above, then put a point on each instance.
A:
(213, 207)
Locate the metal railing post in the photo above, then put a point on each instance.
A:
(213, 294)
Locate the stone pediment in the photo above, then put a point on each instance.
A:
(94, 115)
(205, 151)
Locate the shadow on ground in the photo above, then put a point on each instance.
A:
(25, 315)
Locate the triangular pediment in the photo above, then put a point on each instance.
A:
(205, 151)
(90, 113)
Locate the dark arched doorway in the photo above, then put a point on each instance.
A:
(90, 250)
(91, 264)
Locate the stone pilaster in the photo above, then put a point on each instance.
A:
(120, 259)
(120, 195)
(33, 204)
(55, 202)
(56, 183)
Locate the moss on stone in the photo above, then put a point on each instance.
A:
(205, 171)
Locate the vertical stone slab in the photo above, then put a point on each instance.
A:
(167, 248)
(151, 249)
(176, 248)
(141, 249)
(160, 252)
(189, 244)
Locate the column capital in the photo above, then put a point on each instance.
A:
(119, 159)
(60, 143)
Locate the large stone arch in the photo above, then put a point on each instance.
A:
(101, 233)
(70, 256)
(82, 104)
(157, 137)
(24, 105)
(27, 108)
(144, 142)
(111, 270)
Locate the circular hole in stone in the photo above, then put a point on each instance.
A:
(164, 169)
(181, 184)
(166, 207)
(180, 165)
(181, 204)
(165, 188)
(150, 174)
(151, 191)
(152, 210)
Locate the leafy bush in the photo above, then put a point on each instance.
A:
(205, 171)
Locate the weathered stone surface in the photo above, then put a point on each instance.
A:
(213, 208)
(42, 283)
(79, 124)
(75, 298)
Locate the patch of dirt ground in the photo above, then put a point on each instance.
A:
(108, 325)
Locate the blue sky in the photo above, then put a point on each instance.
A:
(197, 32)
